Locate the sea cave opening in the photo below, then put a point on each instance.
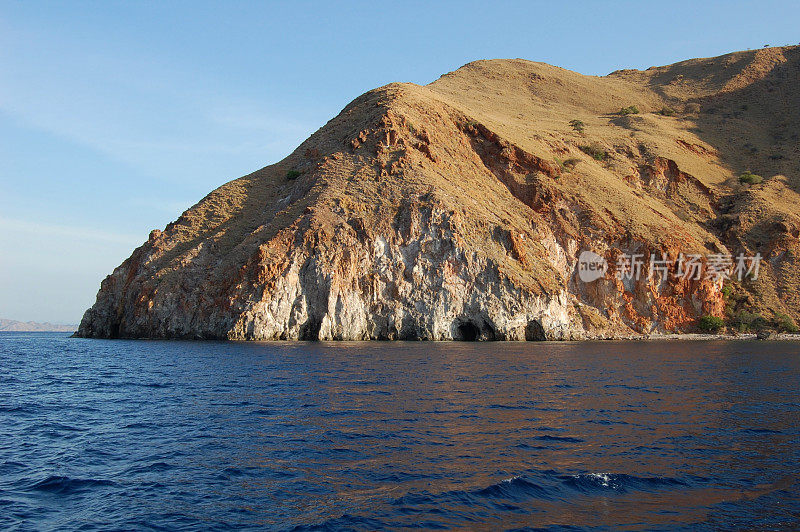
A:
(468, 331)
(534, 332)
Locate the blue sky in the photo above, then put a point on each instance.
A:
(117, 116)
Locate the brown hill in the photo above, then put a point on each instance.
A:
(459, 210)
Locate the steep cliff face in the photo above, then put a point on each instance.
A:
(459, 210)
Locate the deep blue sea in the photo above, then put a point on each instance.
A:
(132, 435)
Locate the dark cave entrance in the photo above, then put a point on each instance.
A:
(534, 332)
(468, 332)
(309, 331)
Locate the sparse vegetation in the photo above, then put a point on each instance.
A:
(532, 178)
(784, 323)
(568, 164)
(667, 111)
(710, 324)
(577, 125)
(693, 108)
(727, 291)
(292, 175)
(749, 178)
(595, 151)
(683, 215)
(411, 128)
(745, 321)
(630, 110)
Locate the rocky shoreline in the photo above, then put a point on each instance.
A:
(784, 337)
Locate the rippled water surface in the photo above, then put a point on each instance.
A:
(128, 435)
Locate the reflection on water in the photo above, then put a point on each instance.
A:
(373, 435)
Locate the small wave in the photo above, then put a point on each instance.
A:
(66, 485)
(55, 426)
(233, 472)
(18, 409)
(516, 488)
(9, 466)
(140, 425)
(157, 384)
(415, 499)
(607, 422)
(629, 387)
(151, 468)
(569, 439)
(508, 407)
(531, 447)
(592, 482)
(345, 522)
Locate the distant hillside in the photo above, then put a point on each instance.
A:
(32, 326)
(461, 210)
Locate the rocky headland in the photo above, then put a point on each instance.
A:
(458, 210)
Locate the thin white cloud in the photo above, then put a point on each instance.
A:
(140, 110)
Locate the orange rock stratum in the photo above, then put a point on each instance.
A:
(458, 210)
